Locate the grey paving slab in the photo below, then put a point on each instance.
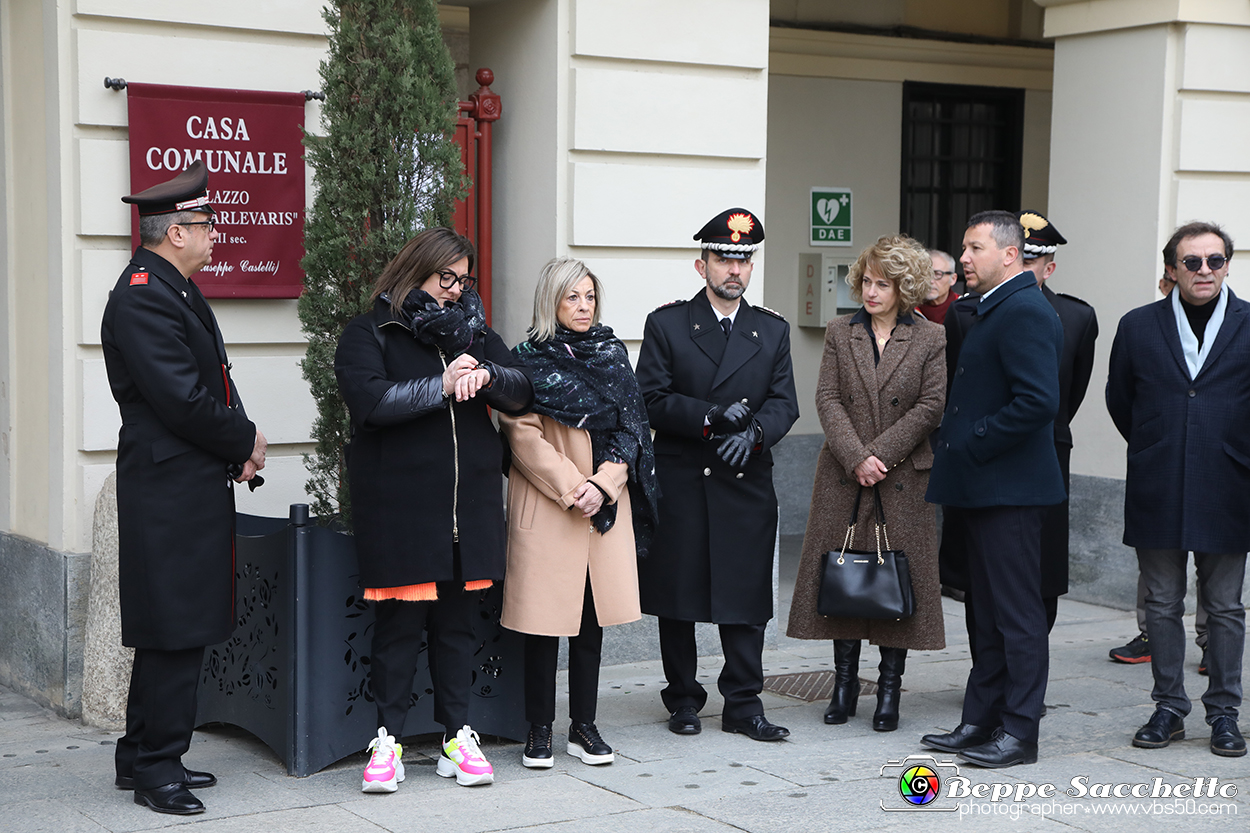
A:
(821, 764)
(1091, 695)
(505, 805)
(329, 819)
(32, 782)
(676, 781)
(46, 816)
(822, 778)
(676, 820)
(834, 808)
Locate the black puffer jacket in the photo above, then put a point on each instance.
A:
(424, 471)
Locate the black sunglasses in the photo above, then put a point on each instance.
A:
(1194, 263)
(446, 278)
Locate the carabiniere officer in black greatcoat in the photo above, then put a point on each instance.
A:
(716, 376)
(184, 437)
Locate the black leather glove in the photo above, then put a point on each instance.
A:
(735, 449)
(727, 419)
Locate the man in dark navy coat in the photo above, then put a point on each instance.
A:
(1177, 391)
(716, 375)
(1076, 365)
(995, 460)
(184, 436)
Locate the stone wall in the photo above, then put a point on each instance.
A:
(43, 613)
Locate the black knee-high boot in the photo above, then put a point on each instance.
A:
(889, 684)
(845, 680)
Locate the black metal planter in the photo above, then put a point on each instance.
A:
(295, 673)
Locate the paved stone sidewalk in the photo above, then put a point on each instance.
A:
(56, 775)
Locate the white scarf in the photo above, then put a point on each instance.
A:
(1194, 357)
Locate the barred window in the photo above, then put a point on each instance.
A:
(961, 154)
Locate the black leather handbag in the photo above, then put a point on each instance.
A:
(863, 584)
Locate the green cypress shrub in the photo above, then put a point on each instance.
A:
(386, 167)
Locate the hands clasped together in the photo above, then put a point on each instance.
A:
(871, 471)
(257, 461)
(588, 498)
(735, 425)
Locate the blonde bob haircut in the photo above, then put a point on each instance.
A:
(558, 277)
(900, 260)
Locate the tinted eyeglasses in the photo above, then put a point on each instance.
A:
(1194, 263)
(211, 224)
(446, 278)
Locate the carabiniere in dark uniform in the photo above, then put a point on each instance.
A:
(183, 428)
(713, 555)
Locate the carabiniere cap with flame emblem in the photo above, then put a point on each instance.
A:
(734, 233)
(1040, 237)
(188, 191)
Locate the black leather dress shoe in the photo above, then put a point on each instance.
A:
(1162, 728)
(756, 727)
(685, 721)
(171, 798)
(965, 735)
(1226, 739)
(1001, 751)
(193, 780)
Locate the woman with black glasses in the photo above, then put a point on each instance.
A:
(418, 373)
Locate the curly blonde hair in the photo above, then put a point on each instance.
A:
(900, 260)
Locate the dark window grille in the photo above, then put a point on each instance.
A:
(961, 154)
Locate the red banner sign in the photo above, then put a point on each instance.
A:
(251, 144)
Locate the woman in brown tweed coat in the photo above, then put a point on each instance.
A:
(881, 393)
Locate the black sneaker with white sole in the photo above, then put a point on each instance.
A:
(585, 743)
(537, 754)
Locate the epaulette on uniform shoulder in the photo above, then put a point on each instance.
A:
(671, 304)
(1073, 298)
(771, 312)
(138, 278)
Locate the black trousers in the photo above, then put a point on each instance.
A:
(397, 646)
(741, 679)
(1007, 684)
(1049, 603)
(160, 716)
(541, 656)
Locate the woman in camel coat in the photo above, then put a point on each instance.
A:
(575, 531)
(880, 394)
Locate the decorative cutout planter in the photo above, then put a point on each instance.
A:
(295, 673)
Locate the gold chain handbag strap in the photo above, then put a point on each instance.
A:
(879, 528)
(848, 541)
(880, 524)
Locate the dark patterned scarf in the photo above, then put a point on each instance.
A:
(584, 380)
(451, 327)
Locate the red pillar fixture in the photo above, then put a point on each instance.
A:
(484, 107)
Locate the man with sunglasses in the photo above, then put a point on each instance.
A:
(1176, 391)
(184, 436)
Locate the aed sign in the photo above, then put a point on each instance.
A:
(831, 217)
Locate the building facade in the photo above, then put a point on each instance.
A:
(625, 126)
